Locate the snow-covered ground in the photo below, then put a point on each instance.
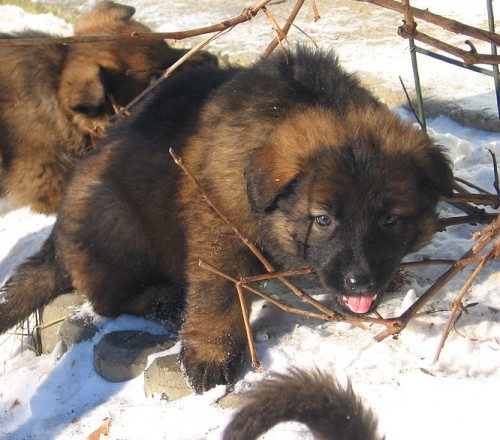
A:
(49, 398)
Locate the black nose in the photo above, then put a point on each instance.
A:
(359, 282)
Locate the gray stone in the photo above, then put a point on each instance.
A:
(75, 329)
(53, 316)
(122, 355)
(231, 401)
(164, 376)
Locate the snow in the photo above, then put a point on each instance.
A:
(61, 397)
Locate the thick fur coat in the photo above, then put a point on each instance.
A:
(307, 163)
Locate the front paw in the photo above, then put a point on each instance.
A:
(205, 372)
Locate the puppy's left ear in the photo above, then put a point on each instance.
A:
(116, 11)
(437, 169)
(104, 18)
(267, 178)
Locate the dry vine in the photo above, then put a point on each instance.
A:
(409, 30)
(246, 15)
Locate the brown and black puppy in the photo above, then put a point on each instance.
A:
(302, 159)
(314, 398)
(55, 97)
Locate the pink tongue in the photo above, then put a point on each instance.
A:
(360, 304)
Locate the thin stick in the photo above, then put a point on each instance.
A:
(462, 262)
(437, 262)
(446, 23)
(275, 302)
(478, 199)
(410, 104)
(279, 32)
(495, 171)
(286, 28)
(248, 329)
(457, 302)
(481, 218)
(168, 72)
(469, 58)
(471, 185)
(315, 10)
(246, 15)
(49, 323)
(271, 275)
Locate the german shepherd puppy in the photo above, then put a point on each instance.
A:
(307, 163)
(54, 98)
(330, 411)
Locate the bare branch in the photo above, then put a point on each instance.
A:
(457, 302)
(246, 15)
(445, 23)
(286, 28)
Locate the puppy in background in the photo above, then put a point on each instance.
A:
(55, 99)
(330, 411)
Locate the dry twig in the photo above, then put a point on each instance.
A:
(409, 30)
(438, 20)
(286, 28)
(166, 74)
(246, 15)
(457, 302)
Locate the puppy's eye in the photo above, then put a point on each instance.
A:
(323, 220)
(389, 220)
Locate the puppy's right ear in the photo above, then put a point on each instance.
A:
(266, 178)
(272, 167)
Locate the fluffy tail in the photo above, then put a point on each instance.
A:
(316, 399)
(34, 284)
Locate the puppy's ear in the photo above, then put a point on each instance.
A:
(271, 169)
(103, 18)
(436, 170)
(266, 178)
(115, 11)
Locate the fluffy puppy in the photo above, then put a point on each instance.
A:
(55, 99)
(312, 168)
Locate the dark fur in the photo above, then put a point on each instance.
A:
(53, 98)
(330, 411)
(280, 148)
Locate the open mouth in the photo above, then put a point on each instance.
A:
(359, 304)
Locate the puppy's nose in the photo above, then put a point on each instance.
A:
(359, 282)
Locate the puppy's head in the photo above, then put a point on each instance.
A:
(95, 75)
(348, 196)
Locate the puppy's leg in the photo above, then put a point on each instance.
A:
(213, 336)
